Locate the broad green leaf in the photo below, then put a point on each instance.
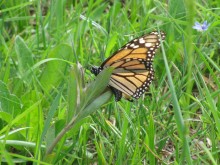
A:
(55, 70)
(35, 119)
(94, 99)
(9, 103)
(94, 96)
(99, 85)
(75, 88)
(93, 106)
(24, 55)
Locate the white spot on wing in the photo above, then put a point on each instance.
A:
(141, 41)
(132, 45)
(136, 46)
(148, 44)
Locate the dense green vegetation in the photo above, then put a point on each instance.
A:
(54, 111)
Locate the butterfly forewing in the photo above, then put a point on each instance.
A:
(146, 44)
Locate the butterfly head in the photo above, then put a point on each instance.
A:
(96, 70)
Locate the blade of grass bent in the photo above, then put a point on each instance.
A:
(177, 111)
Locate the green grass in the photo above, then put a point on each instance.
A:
(54, 111)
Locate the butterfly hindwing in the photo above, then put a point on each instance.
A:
(136, 76)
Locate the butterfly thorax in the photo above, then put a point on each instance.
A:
(96, 70)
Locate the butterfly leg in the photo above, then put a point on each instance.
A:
(117, 93)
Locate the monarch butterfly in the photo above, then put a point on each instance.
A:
(133, 69)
